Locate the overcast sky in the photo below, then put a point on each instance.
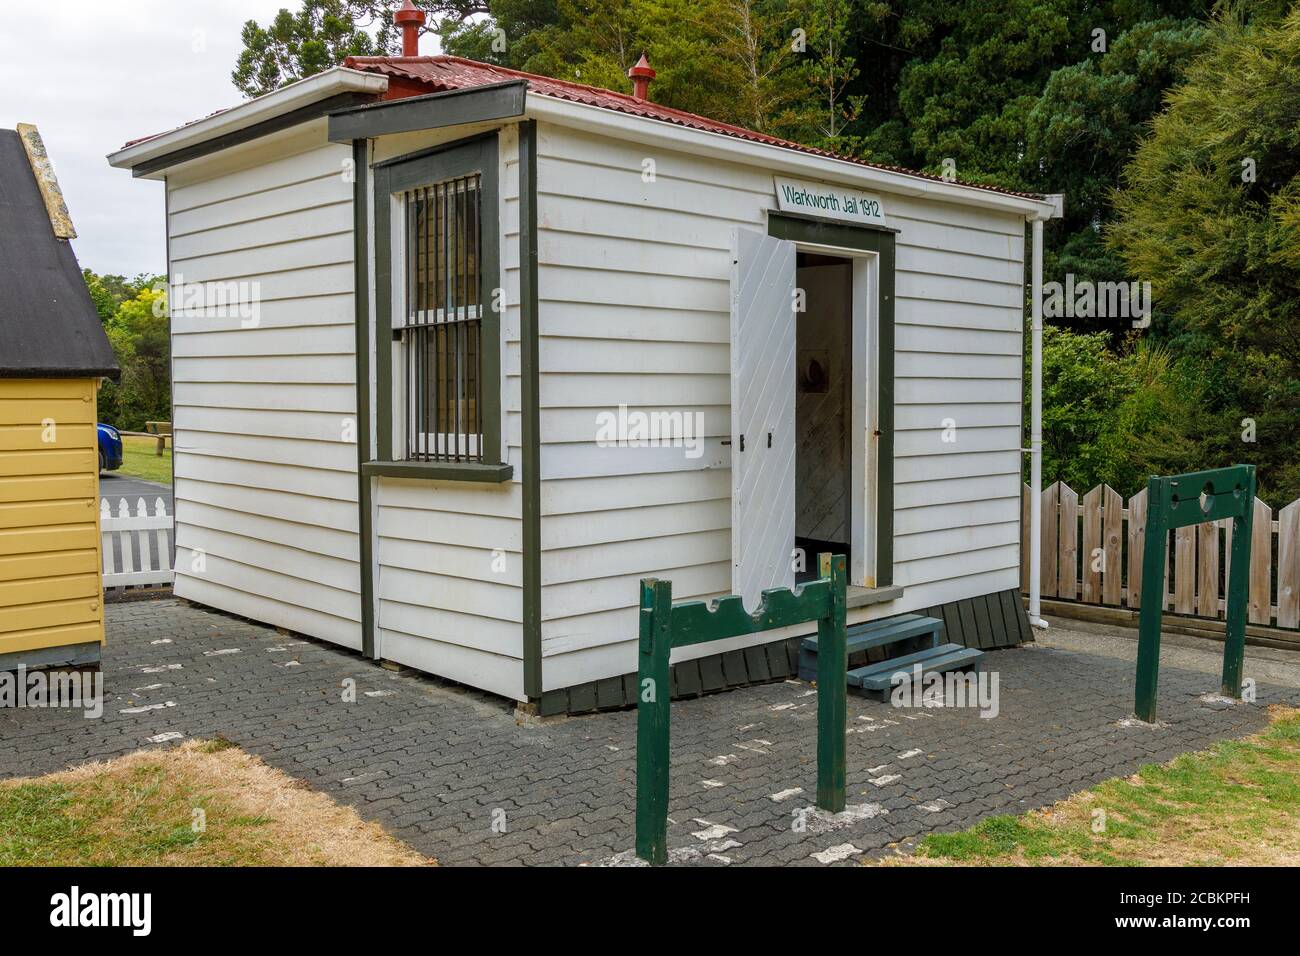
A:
(92, 74)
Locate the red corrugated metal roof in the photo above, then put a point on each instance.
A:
(441, 73)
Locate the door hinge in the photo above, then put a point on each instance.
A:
(769, 439)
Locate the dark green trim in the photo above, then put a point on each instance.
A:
(435, 150)
(431, 111)
(303, 114)
(361, 296)
(881, 242)
(987, 621)
(438, 471)
(475, 155)
(530, 400)
(885, 418)
(814, 220)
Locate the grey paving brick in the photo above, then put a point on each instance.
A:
(433, 761)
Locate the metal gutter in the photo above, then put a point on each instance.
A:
(1036, 413)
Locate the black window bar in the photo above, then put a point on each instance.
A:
(441, 334)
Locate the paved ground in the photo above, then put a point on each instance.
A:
(114, 486)
(454, 773)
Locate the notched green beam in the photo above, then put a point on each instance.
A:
(664, 626)
(1190, 511)
(697, 622)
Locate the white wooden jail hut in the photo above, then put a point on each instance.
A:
(461, 354)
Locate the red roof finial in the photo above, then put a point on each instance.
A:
(410, 19)
(641, 75)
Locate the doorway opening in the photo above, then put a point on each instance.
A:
(824, 394)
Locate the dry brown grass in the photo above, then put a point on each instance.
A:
(140, 810)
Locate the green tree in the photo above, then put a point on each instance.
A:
(1112, 416)
(732, 60)
(1083, 130)
(1209, 213)
(325, 32)
(508, 36)
(139, 332)
(108, 292)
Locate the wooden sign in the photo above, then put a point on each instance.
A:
(841, 203)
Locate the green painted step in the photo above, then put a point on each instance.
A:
(863, 637)
(878, 677)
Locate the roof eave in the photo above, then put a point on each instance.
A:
(60, 371)
(281, 102)
(778, 158)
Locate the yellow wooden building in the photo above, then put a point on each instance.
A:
(53, 356)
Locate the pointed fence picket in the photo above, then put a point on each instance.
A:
(127, 537)
(1092, 552)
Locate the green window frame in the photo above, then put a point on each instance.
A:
(470, 159)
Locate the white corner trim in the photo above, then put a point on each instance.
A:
(285, 100)
(608, 122)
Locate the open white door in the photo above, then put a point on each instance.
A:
(762, 413)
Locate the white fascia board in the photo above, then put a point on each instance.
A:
(596, 119)
(285, 100)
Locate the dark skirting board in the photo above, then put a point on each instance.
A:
(988, 622)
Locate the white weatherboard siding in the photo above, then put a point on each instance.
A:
(634, 310)
(448, 555)
(265, 452)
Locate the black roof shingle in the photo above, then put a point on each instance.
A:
(48, 324)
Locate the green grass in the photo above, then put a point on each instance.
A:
(140, 459)
(143, 810)
(1237, 803)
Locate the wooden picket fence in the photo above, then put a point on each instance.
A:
(1092, 553)
(136, 547)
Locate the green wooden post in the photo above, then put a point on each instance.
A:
(1153, 598)
(1234, 645)
(1180, 502)
(832, 704)
(652, 721)
(663, 627)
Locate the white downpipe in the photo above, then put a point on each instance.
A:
(1036, 432)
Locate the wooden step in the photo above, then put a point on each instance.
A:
(862, 637)
(933, 660)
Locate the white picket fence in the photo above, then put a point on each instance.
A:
(137, 547)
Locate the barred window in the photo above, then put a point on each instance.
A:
(441, 328)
